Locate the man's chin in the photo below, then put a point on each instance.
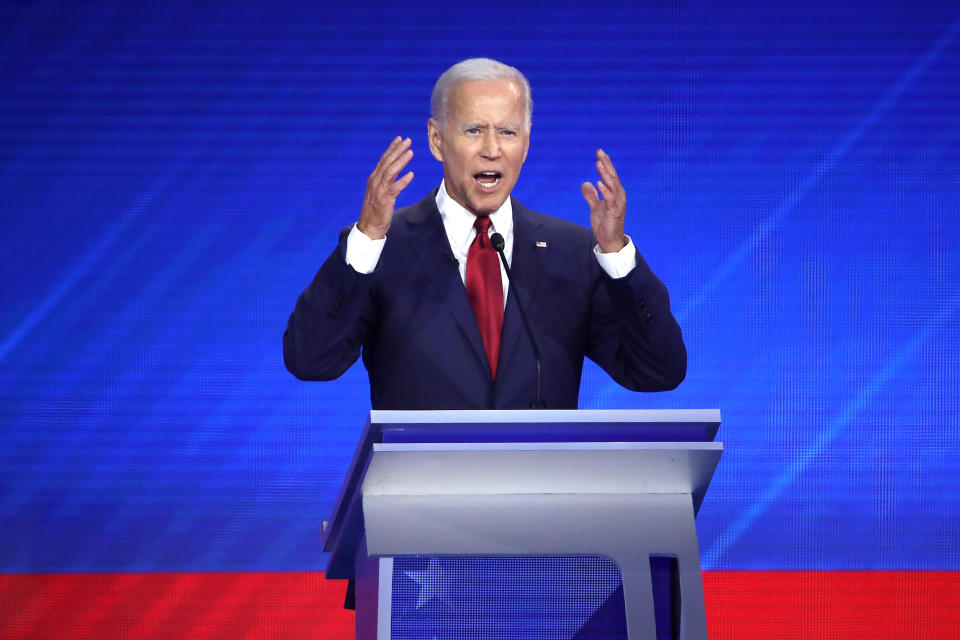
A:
(486, 203)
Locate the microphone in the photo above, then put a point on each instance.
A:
(496, 241)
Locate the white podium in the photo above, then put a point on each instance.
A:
(621, 484)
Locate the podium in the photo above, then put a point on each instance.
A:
(622, 484)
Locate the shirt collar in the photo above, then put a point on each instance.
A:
(458, 222)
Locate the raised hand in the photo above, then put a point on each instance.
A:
(383, 187)
(606, 215)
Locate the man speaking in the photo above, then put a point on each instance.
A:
(441, 321)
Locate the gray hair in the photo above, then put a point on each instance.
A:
(477, 69)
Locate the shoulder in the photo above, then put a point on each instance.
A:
(558, 229)
(418, 212)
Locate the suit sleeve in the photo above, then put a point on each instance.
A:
(633, 335)
(332, 320)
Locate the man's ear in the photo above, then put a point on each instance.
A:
(433, 139)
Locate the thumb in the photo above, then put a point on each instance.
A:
(590, 194)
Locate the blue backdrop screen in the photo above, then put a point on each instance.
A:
(171, 177)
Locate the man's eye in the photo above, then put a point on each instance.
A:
(473, 131)
(509, 132)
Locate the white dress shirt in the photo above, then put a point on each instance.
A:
(458, 223)
(363, 253)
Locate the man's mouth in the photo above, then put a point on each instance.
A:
(488, 179)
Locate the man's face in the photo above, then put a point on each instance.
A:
(484, 143)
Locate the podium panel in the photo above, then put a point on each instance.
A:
(507, 598)
(535, 496)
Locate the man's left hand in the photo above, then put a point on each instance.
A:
(606, 215)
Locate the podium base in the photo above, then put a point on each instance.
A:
(627, 529)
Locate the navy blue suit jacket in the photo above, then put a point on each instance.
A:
(414, 325)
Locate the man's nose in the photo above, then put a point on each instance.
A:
(490, 147)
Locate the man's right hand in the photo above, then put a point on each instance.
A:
(383, 187)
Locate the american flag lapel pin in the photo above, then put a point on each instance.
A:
(542, 244)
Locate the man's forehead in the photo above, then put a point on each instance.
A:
(475, 96)
(497, 85)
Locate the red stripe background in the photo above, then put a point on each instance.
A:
(299, 606)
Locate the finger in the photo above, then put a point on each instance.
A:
(397, 147)
(615, 203)
(396, 151)
(605, 191)
(401, 184)
(589, 194)
(386, 154)
(609, 176)
(387, 171)
(603, 157)
(374, 176)
(392, 170)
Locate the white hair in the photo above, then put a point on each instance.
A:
(477, 69)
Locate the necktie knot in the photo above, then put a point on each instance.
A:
(482, 225)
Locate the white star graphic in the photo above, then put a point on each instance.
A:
(433, 582)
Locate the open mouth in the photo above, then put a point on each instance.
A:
(488, 179)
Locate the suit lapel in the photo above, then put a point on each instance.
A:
(526, 266)
(430, 245)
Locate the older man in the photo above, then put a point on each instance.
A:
(421, 293)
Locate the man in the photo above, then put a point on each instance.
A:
(420, 292)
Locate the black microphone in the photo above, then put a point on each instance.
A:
(496, 241)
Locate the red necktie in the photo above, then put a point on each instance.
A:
(485, 290)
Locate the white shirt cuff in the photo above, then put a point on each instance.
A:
(620, 263)
(363, 253)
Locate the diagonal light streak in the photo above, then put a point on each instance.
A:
(76, 274)
(840, 421)
(834, 427)
(822, 168)
(827, 164)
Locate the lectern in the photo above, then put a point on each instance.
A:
(625, 485)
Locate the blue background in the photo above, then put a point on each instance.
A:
(171, 177)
